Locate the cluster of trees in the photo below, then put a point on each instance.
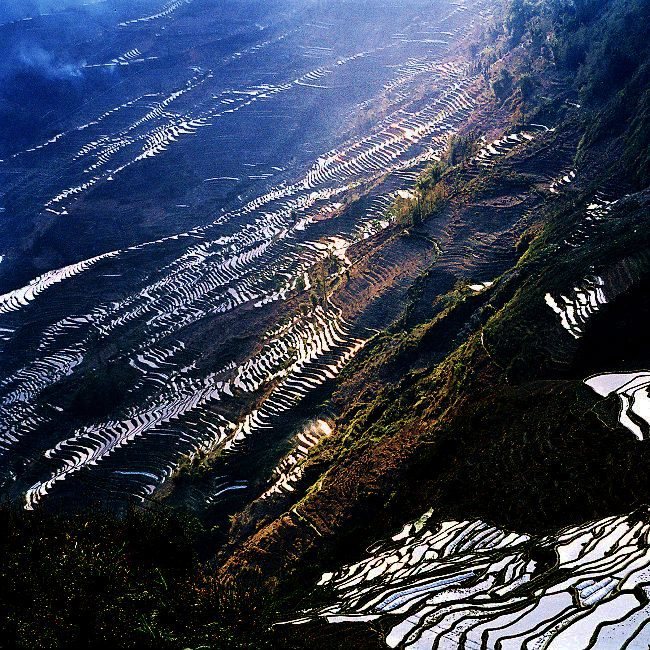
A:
(431, 191)
(604, 42)
(321, 276)
(601, 46)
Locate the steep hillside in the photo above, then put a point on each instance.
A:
(475, 405)
(408, 402)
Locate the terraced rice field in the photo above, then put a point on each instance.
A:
(632, 391)
(466, 584)
(290, 469)
(575, 309)
(200, 327)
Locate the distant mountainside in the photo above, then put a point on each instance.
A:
(439, 440)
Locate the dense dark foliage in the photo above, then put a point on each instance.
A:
(99, 580)
(604, 41)
(600, 46)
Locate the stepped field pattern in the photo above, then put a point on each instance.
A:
(466, 584)
(163, 314)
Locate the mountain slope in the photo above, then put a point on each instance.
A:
(503, 428)
(440, 438)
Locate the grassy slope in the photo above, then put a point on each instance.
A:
(502, 428)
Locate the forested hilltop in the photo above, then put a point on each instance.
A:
(478, 475)
(601, 48)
